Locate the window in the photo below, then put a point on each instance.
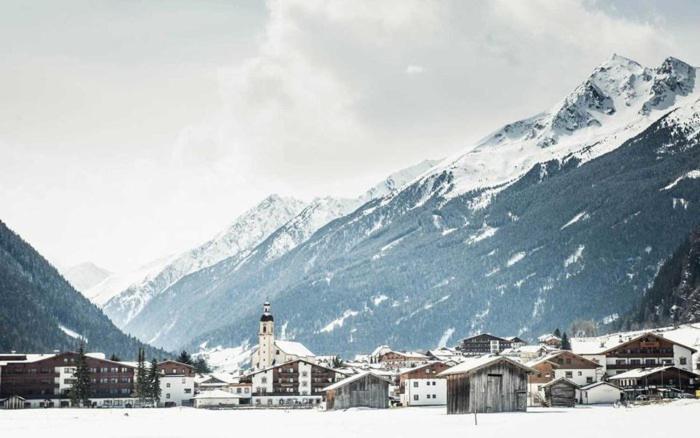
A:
(104, 370)
(246, 390)
(415, 384)
(167, 385)
(188, 390)
(125, 370)
(589, 379)
(125, 390)
(263, 380)
(683, 361)
(649, 361)
(238, 390)
(115, 370)
(167, 395)
(415, 397)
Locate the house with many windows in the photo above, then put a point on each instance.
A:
(423, 386)
(618, 354)
(298, 382)
(44, 380)
(560, 365)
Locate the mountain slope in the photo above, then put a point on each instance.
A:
(674, 297)
(85, 275)
(41, 311)
(236, 241)
(556, 217)
(170, 315)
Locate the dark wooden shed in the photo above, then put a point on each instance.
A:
(487, 384)
(365, 389)
(560, 393)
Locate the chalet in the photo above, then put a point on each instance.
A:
(444, 354)
(401, 359)
(365, 389)
(422, 385)
(560, 365)
(560, 393)
(212, 381)
(648, 350)
(176, 383)
(515, 341)
(271, 351)
(599, 393)
(550, 340)
(297, 382)
(665, 381)
(484, 343)
(44, 380)
(487, 384)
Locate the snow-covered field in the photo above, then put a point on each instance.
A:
(675, 419)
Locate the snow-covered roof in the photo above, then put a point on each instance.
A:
(639, 373)
(294, 348)
(216, 393)
(553, 355)
(353, 378)
(32, 357)
(561, 379)
(596, 384)
(471, 365)
(380, 350)
(548, 336)
(602, 344)
(224, 378)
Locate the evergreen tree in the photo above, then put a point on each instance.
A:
(141, 377)
(565, 343)
(80, 391)
(201, 366)
(337, 362)
(185, 358)
(114, 358)
(557, 333)
(154, 383)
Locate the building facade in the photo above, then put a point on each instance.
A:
(176, 383)
(365, 389)
(45, 380)
(298, 382)
(560, 365)
(484, 343)
(423, 386)
(647, 350)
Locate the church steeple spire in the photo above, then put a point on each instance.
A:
(266, 339)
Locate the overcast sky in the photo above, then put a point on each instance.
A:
(130, 130)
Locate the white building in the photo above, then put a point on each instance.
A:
(216, 398)
(176, 383)
(421, 386)
(618, 354)
(599, 393)
(271, 351)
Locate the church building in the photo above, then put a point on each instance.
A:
(273, 352)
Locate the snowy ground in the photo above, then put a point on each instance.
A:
(676, 419)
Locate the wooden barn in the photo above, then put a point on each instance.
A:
(487, 384)
(365, 389)
(560, 393)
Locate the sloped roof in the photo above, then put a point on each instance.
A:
(353, 378)
(561, 380)
(606, 343)
(551, 356)
(472, 365)
(294, 348)
(638, 373)
(596, 384)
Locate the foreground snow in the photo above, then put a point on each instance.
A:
(674, 419)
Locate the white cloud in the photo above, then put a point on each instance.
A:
(148, 155)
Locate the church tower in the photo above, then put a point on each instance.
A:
(266, 338)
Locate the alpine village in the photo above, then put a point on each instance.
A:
(481, 374)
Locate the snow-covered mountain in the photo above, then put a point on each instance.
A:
(236, 241)
(84, 276)
(559, 216)
(155, 322)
